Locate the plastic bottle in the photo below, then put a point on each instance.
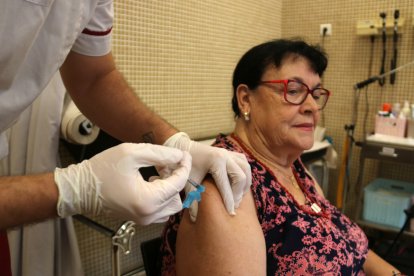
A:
(396, 110)
(405, 111)
(412, 111)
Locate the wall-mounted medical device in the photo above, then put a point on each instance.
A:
(370, 27)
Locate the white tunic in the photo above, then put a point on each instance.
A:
(36, 36)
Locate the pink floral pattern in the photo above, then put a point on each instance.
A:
(299, 241)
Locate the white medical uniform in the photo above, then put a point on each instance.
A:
(37, 35)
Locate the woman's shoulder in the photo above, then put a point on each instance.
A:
(206, 244)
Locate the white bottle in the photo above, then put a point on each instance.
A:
(396, 110)
(406, 110)
(412, 111)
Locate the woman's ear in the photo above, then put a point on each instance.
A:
(243, 98)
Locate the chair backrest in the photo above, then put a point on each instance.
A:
(150, 251)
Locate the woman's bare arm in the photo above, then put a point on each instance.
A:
(220, 244)
(375, 265)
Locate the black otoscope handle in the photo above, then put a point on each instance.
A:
(395, 40)
(383, 15)
(364, 83)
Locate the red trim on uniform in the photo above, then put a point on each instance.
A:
(5, 268)
(96, 33)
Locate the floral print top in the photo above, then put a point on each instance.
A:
(299, 239)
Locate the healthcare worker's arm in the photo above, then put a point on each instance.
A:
(27, 199)
(109, 183)
(103, 95)
(220, 244)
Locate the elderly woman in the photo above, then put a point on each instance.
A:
(285, 226)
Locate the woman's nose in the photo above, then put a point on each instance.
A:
(310, 104)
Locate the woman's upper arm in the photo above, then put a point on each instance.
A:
(375, 265)
(217, 243)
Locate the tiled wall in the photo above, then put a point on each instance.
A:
(180, 55)
(350, 62)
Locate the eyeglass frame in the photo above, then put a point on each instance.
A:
(310, 91)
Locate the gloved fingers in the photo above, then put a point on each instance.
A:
(179, 140)
(219, 174)
(203, 156)
(217, 168)
(165, 171)
(153, 178)
(190, 195)
(161, 220)
(128, 158)
(240, 176)
(170, 186)
(155, 155)
(193, 210)
(165, 210)
(241, 160)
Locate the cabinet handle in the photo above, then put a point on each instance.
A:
(388, 154)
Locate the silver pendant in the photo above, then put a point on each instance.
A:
(315, 207)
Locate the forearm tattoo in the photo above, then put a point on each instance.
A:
(148, 137)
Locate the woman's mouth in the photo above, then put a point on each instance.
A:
(305, 126)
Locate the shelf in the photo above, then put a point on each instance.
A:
(382, 227)
(382, 150)
(387, 140)
(387, 152)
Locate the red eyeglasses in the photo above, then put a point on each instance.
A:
(295, 92)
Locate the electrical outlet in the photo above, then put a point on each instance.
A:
(328, 28)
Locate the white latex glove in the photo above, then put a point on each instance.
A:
(110, 183)
(230, 170)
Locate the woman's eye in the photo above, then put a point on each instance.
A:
(293, 91)
(317, 94)
(296, 89)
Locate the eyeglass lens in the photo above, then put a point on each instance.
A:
(297, 92)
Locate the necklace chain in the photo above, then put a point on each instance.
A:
(291, 179)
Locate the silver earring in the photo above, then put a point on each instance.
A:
(246, 116)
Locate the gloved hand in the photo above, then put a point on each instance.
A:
(110, 183)
(230, 170)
